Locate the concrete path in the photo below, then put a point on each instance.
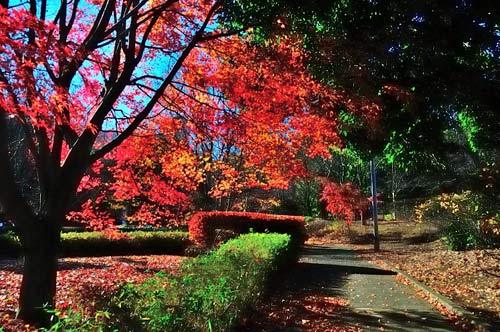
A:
(378, 301)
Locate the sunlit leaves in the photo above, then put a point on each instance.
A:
(233, 116)
(228, 134)
(343, 200)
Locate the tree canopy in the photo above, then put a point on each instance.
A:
(87, 81)
(433, 64)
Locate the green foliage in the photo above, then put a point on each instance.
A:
(73, 321)
(469, 125)
(345, 165)
(388, 216)
(466, 220)
(461, 236)
(306, 192)
(433, 66)
(241, 14)
(352, 166)
(402, 43)
(96, 243)
(211, 291)
(9, 244)
(397, 150)
(88, 243)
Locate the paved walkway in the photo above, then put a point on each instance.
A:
(378, 301)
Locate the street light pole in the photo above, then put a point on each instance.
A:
(373, 175)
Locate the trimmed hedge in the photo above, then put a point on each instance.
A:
(136, 242)
(9, 244)
(212, 292)
(98, 244)
(203, 225)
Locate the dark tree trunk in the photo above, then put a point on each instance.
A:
(38, 288)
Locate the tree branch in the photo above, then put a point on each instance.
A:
(212, 36)
(153, 101)
(96, 34)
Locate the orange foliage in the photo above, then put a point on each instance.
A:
(234, 115)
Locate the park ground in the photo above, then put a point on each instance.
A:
(341, 284)
(471, 278)
(81, 281)
(316, 297)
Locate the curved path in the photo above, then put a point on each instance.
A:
(378, 302)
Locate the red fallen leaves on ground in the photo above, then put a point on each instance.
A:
(301, 312)
(84, 280)
(469, 278)
(461, 324)
(81, 282)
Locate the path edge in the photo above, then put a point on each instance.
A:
(479, 324)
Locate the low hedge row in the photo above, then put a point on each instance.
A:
(98, 244)
(9, 245)
(203, 226)
(211, 292)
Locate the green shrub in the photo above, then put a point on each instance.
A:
(137, 242)
(96, 243)
(9, 244)
(212, 291)
(73, 321)
(466, 220)
(461, 236)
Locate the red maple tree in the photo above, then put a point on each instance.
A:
(223, 135)
(153, 85)
(344, 200)
(78, 80)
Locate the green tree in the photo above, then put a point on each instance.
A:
(434, 66)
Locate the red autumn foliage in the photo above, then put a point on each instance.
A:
(227, 135)
(81, 79)
(77, 79)
(343, 200)
(202, 225)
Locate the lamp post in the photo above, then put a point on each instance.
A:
(373, 176)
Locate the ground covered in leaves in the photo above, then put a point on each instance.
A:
(470, 278)
(81, 282)
(301, 311)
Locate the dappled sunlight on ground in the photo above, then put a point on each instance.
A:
(469, 278)
(81, 282)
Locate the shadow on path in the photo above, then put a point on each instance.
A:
(410, 320)
(311, 298)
